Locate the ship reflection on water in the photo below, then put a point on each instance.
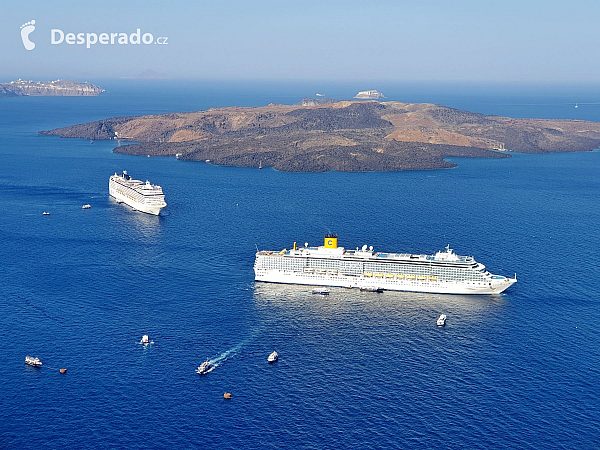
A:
(401, 306)
(148, 226)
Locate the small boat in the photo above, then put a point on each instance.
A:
(273, 357)
(227, 395)
(441, 320)
(260, 165)
(87, 206)
(145, 339)
(178, 155)
(45, 213)
(371, 289)
(321, 291)
(203, 368)
(63, 371)
(33, 361)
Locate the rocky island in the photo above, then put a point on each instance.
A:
(48, 88)
(344, 136)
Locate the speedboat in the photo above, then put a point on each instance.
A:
(33, 361)
(203, 368)
(441, 320)
(273, 357)
(321, 291)
(87, 206)
(45, 213)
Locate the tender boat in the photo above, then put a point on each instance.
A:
(87, 206)
(273, 357)
(441, 320)
(371, 289)
(33, 361)
(321, 291)
(45, 213)
(204, 367)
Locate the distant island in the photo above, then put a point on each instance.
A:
(49, 88)
(369, 95)
(352, 136)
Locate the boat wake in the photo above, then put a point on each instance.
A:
(225, 356)
(228, 354)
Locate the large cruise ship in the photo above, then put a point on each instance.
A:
(144, 197)
(330, 265)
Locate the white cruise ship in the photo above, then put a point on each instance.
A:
(330, 265)
(144, 197)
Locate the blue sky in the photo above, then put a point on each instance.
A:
(479, 41)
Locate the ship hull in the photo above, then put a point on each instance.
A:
(121, 197)
(495, 286)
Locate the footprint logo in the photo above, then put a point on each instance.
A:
(26, 30)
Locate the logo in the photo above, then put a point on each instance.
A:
(58, 37)
(89, 39)
(26, 30)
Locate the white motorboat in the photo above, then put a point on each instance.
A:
(204, 368)
(33, 361)
(441, 320)
(86, 206)
(273, 357)
(45, 213)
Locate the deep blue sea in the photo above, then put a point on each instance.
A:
(79, 288)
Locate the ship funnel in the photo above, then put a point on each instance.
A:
(331, 241)
(295, 246)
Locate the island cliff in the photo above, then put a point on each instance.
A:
(48, 88)
(343, 136)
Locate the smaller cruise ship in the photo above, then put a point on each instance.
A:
(144, 197)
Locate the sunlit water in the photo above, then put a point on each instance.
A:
(79, 288)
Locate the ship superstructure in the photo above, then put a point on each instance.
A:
(144, 197)
(329, 265)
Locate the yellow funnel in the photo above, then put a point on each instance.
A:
(331, 241)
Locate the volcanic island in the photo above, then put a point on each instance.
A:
(320, 135)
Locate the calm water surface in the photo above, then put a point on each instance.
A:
(78, 289)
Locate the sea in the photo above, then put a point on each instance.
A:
(357, 370)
